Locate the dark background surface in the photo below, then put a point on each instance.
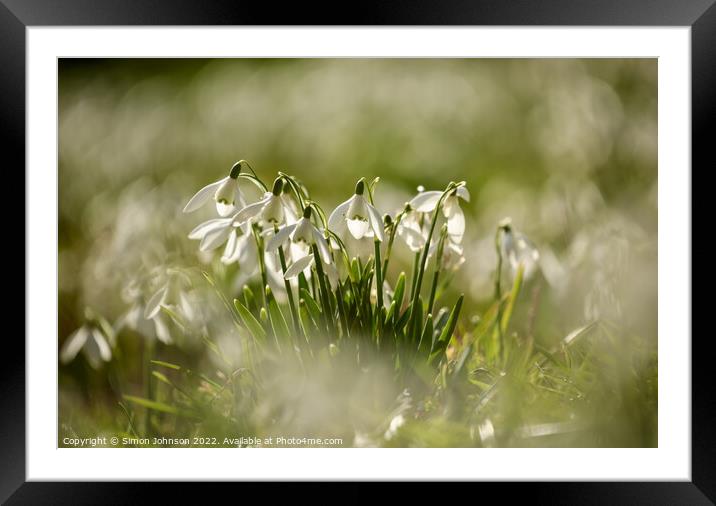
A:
(21, 13)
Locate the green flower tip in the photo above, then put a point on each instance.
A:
(505, 224)
(236, 169)
(277, 187)
(387, 220)
(360, 186)
(307, 213)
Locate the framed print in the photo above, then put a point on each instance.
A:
(450, 247)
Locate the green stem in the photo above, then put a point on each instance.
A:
(424, 256)
(498, 292)
(294, 187)
(414, 278)
(289, 291)
(389, 249)
(438, 265)
(323, 289)
(262, 269)
(342, 310)
(378, 281)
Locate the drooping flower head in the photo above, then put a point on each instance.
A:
(425, 202)
(357, 216)
(270, 209)
(452, 255)
(518, 250)
(301, 235)
(226, 193)
(413, 229)
(95, 339)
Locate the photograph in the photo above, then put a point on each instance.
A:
(357, 253)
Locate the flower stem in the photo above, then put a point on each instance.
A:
(289, 291)
(415, 274)
(262, 269)
(342, 310)
(323, 289)
(389, 249)
(424, 258)
(378, 285)
(438, 266)
(498, 292)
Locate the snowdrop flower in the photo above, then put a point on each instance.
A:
(452, 257)
(357, 216)
(213, 233)
(225, 192)
(412, 229)
(362, 248)
(302, 235)
(425, 202)
(518, 250)
(95, 339)
(176, 295)
(240, 248)
(270, 209)
(135, 318)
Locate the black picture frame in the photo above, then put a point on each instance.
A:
(700, 15)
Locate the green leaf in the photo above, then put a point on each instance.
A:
(390, 315)
(309, 324)
(311, 305)
(417, 324)
(355, 271)
(302, 283)
(426, 339)
(154, 405)
(442, 342)
(249, 298)
(398, 295)
(162, 378)
(166, 364)
(278, 322)
(403, 320)
(514, 293)
(251, 323)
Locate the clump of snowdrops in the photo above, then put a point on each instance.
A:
(323, 284)
(330, 344)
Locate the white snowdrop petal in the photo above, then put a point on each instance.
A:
(298, 266)
(105, 352)
(376, 223)
(154, 303)
(251, 210)
(73, 344)
(161, 330)
(425, 202)
(272, 211)
(456, 225)
(463, 193)
(322, 245)
(230, 251)
(248, 257)
(203, 195)
(215, 238)
(339, 213)
(303, 231)
(332, 274)
(224, 209)
(412, 238)
(203, 228)
(280, 237)
(357, 227)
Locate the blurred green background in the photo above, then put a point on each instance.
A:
(566, 147)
